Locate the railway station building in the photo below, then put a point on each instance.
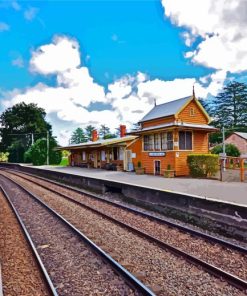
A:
(168, 133)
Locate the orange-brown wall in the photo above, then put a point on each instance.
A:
(198, 118)
(136, 147)
(200, 145)
(158, 121)
(148, 162)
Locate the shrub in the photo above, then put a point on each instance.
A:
(169, 167)
(38, 152)
(231, 150)
(139, 164)
(203, 165)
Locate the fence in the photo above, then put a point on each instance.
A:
(233, 168)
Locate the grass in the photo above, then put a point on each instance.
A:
(64, 161)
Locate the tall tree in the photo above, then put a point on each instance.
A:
(37, 153)
(18, 124)
(89, 129)
(104, 131)
(78, 136)
(229, 107)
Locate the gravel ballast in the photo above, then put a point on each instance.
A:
(162, 271)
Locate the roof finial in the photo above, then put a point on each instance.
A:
(193, 93)
(154, 102)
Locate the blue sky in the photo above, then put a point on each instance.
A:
(130, 52)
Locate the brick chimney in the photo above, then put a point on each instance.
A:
(122, 130)
(94, 135)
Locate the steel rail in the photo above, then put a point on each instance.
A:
(30, 242)
(124, 273)
(211, 269)
(1, 281)
(138, 212)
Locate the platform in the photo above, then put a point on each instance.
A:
(231, 192)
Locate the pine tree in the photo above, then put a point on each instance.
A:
(78, 136)
(104, 131)
(229, 107)
(89, 129)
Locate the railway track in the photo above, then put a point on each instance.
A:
(75, 264)
(230, 278)
(21, 271)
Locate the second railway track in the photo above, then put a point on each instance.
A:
(64, 192)
(75, 265)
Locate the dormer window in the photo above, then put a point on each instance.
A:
(192, 111)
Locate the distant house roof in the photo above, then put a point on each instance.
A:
(242, 135)
(98, 143)
(166, 109)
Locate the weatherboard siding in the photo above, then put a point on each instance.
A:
(198, 118)
(159, 121)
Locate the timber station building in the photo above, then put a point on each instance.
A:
(167, 135)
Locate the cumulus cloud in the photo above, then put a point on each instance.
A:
(60, 55)
(222, 27)
(4, 27)
(68, 103)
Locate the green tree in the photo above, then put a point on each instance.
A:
(104, 130)
(37, 153)
(18, 123)
(78, 136)
(229, 107)
(89, 129)
(231, 150)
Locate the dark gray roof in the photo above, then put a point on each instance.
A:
(166, 109)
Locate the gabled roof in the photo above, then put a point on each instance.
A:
(98, 143)
(172, 108)
(242, 135)
(166, 109)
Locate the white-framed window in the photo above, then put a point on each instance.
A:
(156, 141)
(167, 141)
(103, 157)
(83, 155)
(148, 142)
(192, 111)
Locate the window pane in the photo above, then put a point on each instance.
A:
(157, 142)
(182, 140)
(169, 141)
(188, 140)
(163, 141)
(151, 142)
(146, 143)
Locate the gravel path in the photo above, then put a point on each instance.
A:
(165, 273)
(20, 272)
(73, 267)
(230, 260)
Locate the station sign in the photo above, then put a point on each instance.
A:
(157, 154)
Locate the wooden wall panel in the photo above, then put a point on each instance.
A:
(198, 118)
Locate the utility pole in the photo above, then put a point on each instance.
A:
(224, 148)
(47, 144)
(32, 138)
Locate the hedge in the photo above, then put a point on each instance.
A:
(203, 165)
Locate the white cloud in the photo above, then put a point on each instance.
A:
(60, 55)
(4, 27)
(130, 97)
(221, 24)
(30, 13)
